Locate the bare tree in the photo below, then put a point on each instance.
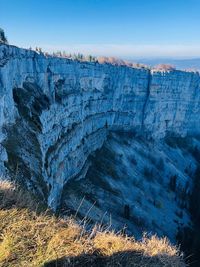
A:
(164, 67)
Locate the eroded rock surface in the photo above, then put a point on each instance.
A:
(55, 112)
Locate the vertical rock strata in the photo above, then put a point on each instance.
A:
(55, 112)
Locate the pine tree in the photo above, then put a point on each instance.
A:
(90, 58)
(3, 38)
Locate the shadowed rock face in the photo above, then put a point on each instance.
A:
(56, 112)
(138, 183)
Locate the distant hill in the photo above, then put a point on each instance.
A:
(181, 64)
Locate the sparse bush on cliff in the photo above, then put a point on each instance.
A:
(160, 164)
(37, 238)
(133, 160)
(148, 173)
(173, 183)
(78, 56)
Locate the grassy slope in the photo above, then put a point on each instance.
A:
(31, 237)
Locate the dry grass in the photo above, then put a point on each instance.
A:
(29, 238)
(12, 195)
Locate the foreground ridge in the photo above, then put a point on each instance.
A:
(31, 236)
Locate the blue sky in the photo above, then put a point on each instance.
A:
(123, 28)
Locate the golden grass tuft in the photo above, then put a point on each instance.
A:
(30, 238)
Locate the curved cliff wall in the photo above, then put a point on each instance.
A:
(55, 112)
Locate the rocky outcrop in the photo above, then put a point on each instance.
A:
(55, 112)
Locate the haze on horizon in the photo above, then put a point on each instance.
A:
(120, 28)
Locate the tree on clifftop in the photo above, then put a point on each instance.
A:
(3, 38)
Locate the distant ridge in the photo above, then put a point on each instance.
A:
(182, 64)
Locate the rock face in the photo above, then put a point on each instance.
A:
(56, 112)
(138, 183)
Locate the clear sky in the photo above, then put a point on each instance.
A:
(123, 28)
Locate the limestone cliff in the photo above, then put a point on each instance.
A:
(56, 112)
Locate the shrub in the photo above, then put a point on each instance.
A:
(111, 171)
(172, 182)
(133, 160)
(158, 204)
(160, 165)
(148, 173)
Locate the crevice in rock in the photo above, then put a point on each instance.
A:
(146, 100)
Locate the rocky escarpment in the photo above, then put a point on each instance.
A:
(55, 112)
